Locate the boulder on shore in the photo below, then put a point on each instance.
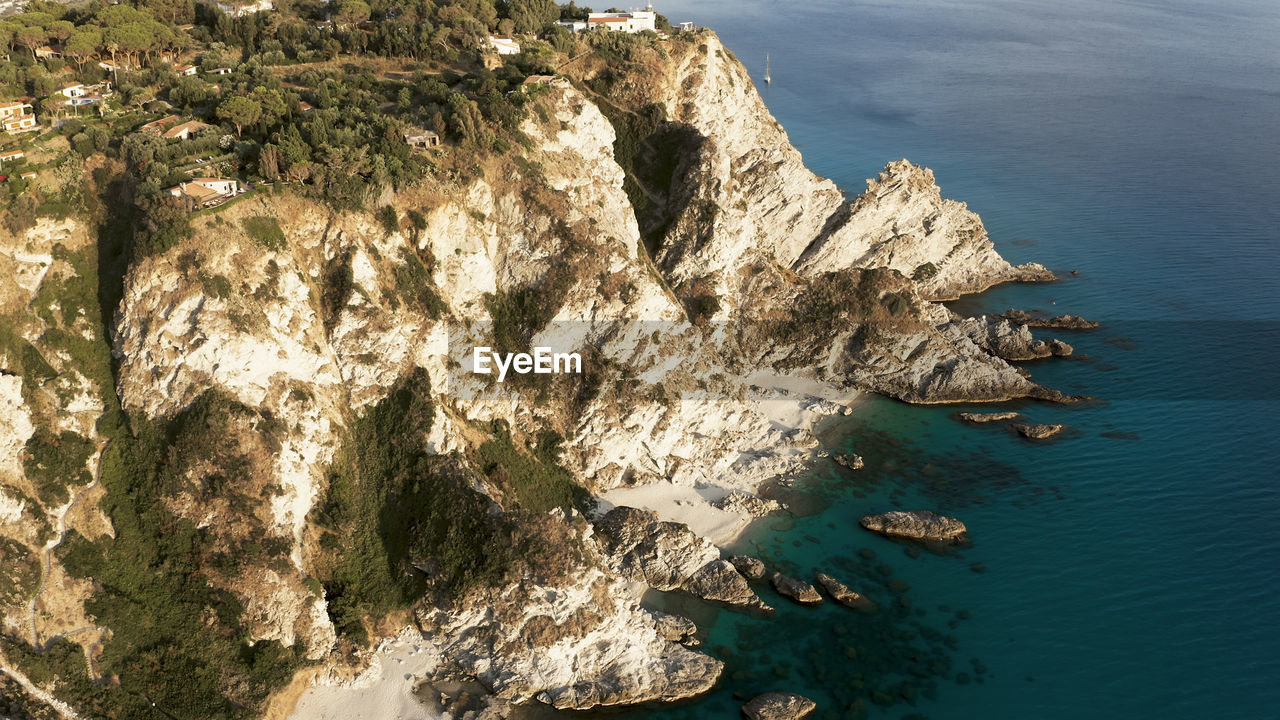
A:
(1033, 431)
(778, 706)
(917, 525)
(745, 503)
(989, 417)
(751, 568)
(844, 594)
(797, 590)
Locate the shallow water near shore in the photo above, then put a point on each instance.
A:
(1127, 568)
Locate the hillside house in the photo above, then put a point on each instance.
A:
(11, 156)
(575, 26)
(17, 117)
(29, 175)
(72, 90)
(630, 22)
(184, 131)
(504, 45)
(206, 192)
(45, 52)
(157, 127)
(422, 139)
(110, 66)
(219, 71)
(185, 69)
(240, 9)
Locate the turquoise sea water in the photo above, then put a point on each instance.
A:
(1131, 569)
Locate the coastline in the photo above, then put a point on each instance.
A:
(795, 405)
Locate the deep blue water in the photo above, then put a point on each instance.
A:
(1134, 573)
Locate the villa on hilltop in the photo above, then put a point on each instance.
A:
(633, 21)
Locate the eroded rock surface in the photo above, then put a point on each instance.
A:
(778, 706)
(796, 590)
(844, 594)
(1036, 431)
(917, 525)
(989, 417)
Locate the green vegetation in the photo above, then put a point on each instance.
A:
(413, 281)
(19, 570)
(397, 520)
(265, 231)
(865, 297)
(176, 639)
(532, 482)
(55, 461)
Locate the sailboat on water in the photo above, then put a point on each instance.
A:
(768, 79)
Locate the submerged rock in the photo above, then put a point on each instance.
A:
(989, 417)
(1034, 431)
(797, 590)
(778, 706)
(751, 568)
(853, 462)
(917, 525)
(844, 594)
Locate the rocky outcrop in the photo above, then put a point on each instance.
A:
(720, 582)
(844, 594)
(796, 590)
(990, 417)
(751, 568)
(852, 462)
(778, 706)
(574, 645)
(1004, 339)
(675, 628)
(1035, 431)
(917, 525)
(1059, 348)
(1060, 322)
(669, 556)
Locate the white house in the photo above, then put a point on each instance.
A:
(185, 69)
(248, 7)
(576, 26)
(184, 131)
(206, 192)
(72, 90)
(504, 45)
(631, 22)
(17, 117)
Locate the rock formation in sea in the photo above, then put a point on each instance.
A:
(844, 594)
(990, 417)
(917, 525)
(1037, 431)
(778, 706)
(796, 590)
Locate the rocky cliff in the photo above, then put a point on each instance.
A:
(698, 311)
